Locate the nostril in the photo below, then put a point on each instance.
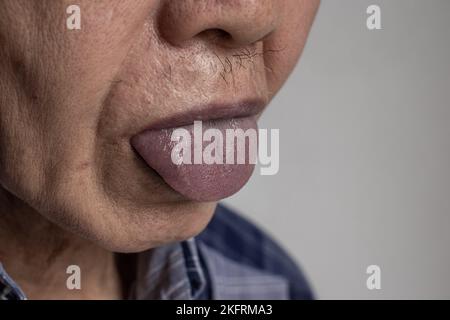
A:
(215, 35)
(231, 24)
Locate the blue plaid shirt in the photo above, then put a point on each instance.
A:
(231, 259)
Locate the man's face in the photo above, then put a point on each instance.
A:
(71, 101)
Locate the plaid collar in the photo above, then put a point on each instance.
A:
(171, 272)
(9, 290)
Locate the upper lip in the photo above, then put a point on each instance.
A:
(215, 111)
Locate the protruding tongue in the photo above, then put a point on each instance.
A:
(199, 181)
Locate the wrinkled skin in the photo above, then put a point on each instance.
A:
(71, 100)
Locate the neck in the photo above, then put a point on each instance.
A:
(36, 254)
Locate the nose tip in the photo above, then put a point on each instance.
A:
(234, 23)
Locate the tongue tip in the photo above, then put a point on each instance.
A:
(212, 189)
(197, 182)
(202, 183)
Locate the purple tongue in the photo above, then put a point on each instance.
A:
(200, 182)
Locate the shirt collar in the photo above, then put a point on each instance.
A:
(9, 290)
(171, 272)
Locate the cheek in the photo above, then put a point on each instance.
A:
(283, 48)
(52, 80)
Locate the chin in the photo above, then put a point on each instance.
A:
(131, 228)
(156, 226)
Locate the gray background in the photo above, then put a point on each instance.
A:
(365, 153)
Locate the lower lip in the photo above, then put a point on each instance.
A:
(199, 182)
